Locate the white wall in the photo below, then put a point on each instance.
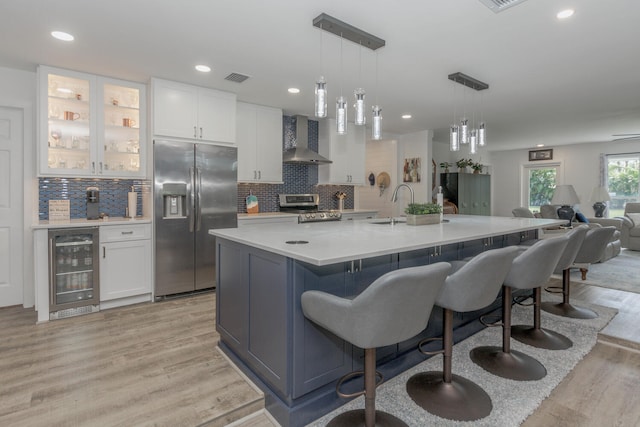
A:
(380, 157)
(18, 90)
(411, 146)
(579, 166)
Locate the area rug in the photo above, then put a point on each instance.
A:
(621, 272)
(513, 401)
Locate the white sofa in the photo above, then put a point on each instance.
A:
(631, 227)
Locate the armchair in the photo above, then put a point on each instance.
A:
(630, 229)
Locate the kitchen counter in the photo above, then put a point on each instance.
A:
(339, 241)
(83, 222)
(261, 278)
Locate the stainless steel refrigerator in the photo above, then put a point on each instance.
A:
(195, 190)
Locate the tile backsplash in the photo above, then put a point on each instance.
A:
(113, 195)
(113, 192)
(298, 179)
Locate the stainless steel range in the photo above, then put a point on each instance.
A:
(306, 206)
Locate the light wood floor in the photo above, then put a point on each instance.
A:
(157, 365)
(145, 365)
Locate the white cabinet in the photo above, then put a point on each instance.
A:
(259, 140)
(347, 152)
(192, 112)
(125, 264)
(90, 125)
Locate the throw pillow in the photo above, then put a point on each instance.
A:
(581, 218)
(635, 217)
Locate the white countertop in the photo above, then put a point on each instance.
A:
(83, 222)
(338, 241)
(246, 216)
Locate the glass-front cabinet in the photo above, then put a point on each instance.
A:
(90, 125)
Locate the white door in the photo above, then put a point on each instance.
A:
(11, 206)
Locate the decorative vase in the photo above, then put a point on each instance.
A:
(476, 171)
(462, 170)
(340, 205)
(423, 219)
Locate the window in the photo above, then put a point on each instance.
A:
(538, 185)
(622, 181)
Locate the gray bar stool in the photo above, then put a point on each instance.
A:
(535, 335)
(473, 285)
(531, 269)
(394, 308)
(590, 251)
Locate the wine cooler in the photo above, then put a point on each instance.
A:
(73, 272)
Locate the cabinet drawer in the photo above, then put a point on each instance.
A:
(119, 233)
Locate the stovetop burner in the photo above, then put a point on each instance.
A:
(306, 205)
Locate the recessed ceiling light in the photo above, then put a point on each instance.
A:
(203, 68)
(406, 116)
(293, 90)
(61, 35)
(539, 145)
(564, 14)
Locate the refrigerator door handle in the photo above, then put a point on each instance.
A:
(198, 212)
(191, 204)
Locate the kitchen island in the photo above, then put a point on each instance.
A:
(262, 272)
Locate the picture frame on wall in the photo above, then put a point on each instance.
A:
(546, 154)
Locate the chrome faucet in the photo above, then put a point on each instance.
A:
(394, 198)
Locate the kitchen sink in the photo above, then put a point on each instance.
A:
(390, 221)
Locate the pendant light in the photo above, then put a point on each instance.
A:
(454, 141)
(376, 127)
(473, 142)
(341, 115)
(482, 135)
(376, 123)
(321, 89)
(364, 39)
(341, 103)
(321, 98)
(361, 118)
(462, 133)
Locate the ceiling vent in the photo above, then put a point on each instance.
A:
(236, 77)
(498, 6)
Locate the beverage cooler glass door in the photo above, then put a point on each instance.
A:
(73, 271)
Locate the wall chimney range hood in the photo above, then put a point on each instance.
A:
(301, 154)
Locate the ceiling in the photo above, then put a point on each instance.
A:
(551, 82)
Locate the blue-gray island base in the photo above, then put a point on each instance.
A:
(296, 363)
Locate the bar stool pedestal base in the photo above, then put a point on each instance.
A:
(567, 310)
(540, 338)
(355, 418)
(514, 365)
(460, 399)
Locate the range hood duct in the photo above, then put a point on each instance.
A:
(301, 154)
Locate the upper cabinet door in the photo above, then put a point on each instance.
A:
(192, 112)
(216, 116)
(175, 109)
(123, 139)
(347, 152)
(67, 126)
(259, 140)
(90, 125)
